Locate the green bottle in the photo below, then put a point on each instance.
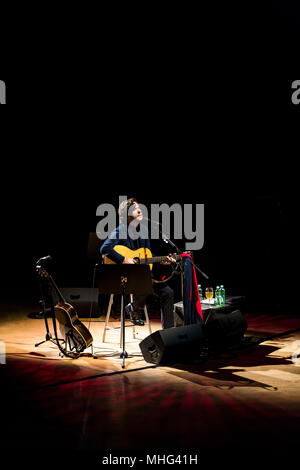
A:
(200, 291)
(217, 298)
(222, 295)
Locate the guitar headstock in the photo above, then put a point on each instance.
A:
(42, 272)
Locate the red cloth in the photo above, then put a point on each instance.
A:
(194, 287)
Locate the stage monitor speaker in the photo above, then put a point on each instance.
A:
(173, 344)
(81, 298)
(225, 330)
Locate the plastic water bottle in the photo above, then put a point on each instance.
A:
(222, 295)
(217, 298)
(200, 291)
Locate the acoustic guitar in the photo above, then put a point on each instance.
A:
(141, 255)
(71, 328)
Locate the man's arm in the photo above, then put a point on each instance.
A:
(107, 249)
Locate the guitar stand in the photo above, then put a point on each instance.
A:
(64, 351)
(71, 346)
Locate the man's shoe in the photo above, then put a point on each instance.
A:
(133, 316)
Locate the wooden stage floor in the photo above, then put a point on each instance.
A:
(243, 404)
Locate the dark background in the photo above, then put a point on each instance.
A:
(167, 106)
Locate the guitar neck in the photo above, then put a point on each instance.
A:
(56, 289)
(157, 259)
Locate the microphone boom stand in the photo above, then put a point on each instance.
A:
(167, 240)
(48, 336)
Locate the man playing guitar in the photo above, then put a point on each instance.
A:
(123, 235)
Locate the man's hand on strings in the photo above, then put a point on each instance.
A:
(170, 260)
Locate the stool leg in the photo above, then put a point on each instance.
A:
(107, 316)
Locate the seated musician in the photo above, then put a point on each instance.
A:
(122, 235)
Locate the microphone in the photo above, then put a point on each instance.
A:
(151, 220)
(43, 260)
(164, 237)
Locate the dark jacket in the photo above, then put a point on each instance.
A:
(122, 235)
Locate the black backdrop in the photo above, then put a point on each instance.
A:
(192, 111)
(249, 202)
